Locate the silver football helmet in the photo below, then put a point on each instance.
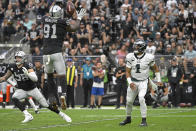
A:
(56, 11)
(20, 54)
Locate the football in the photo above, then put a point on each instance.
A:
(70, 8)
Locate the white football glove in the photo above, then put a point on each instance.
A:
(81, 13)
(25, 70)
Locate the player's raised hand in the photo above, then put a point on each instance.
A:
(81, 13)
(25, 70)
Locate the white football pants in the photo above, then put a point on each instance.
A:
(141, 89)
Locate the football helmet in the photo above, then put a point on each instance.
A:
(56, 12)
(20, 54)
(139, 46)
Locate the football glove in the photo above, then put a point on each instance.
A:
(81, 13)
(25, 70)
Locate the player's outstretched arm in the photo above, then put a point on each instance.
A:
(6, 76)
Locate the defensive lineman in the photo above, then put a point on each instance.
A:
(25, 76)
(137, 73)
(55, 29)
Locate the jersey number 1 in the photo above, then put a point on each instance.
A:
(138, 68)
(47, 31)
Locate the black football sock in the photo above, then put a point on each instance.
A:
(144, 119)
(53, 108)
(18, 104)
(4, 97)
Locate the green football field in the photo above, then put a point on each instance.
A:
(106, 119)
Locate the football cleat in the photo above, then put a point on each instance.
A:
(65, 117)
(126, 121)
(28, 117)
(36, 111)
(143, 124)
(63, 103)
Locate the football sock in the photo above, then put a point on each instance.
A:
(18, 104)
(143, 119)
(25, 112)
(53, 108)
(32, 104)
(4, 97)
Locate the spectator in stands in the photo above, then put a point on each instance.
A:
(83, 35)
(144, 31)
(37, 55)
(122, 52)
(168, 50)
(152, 24)
(121, 85)
(33, 37)
(28, 23)
(189, 55)
(174, 75)
(18, 11)
(42, 8)
(30, 11)
(8, 29)
(151, 49)
(86, 80)
(9, 13)
(2, 12)
(71, 82)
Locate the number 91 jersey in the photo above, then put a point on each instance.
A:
(54, 31)
(139, 65)
(23, 80)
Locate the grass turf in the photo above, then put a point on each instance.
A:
(162, 119)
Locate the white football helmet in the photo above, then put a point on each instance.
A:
(56, 11)
(20, 54)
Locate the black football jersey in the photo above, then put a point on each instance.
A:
(54, 31)
(3, 69)
(23, 80)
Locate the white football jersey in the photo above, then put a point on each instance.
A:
(139, 66)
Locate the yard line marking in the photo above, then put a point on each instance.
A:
(87, 122)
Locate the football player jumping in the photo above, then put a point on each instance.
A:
(137, 73)
(25, 76)
(55, 29)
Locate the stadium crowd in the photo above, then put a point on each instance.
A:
(110, 27)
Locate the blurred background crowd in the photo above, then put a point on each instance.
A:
(110, 29)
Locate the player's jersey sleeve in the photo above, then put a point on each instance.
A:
(129, 59)
(10, 67)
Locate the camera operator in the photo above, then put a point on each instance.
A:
(121, 85)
